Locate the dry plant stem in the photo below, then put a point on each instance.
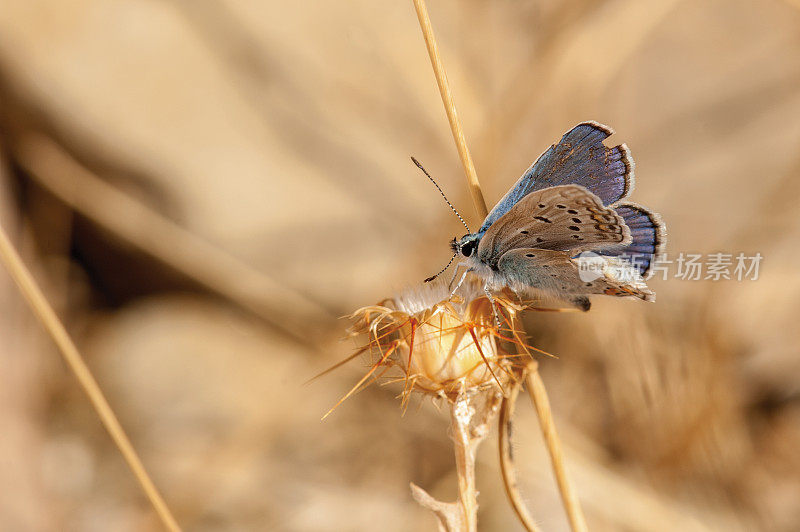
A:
(467, 434)
(465, 446)
(506, 462)
(449, 513)
(44, 312)
(450, 109)
(164, 240)
(538, 395)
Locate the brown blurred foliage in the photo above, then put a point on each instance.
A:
(203, 187)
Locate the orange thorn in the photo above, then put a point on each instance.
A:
(480, 350)
(364, 378)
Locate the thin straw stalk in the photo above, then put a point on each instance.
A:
(506, 461)
(47, 316)
(541, 403)
(450, 109)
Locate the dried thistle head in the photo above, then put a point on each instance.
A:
(438, 345)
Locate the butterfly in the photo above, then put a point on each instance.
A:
(565, 230)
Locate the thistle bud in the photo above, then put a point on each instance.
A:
(436, 344)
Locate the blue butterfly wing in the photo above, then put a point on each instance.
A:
(580, 158)
(648, 236)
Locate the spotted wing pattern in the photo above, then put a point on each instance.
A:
(565, 218)
(555, 274)
(648, 237)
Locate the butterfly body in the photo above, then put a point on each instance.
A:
(567, 204)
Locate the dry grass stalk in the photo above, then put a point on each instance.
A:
(47, 316)
(450, 108)
(538, 395)
(506, 458)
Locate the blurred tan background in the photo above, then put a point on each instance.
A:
(203, 187)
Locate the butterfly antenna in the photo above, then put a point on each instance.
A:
(432, 277)
(445, 198)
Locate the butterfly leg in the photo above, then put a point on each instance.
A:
(461, 281)
(455, 273)
(494, 306)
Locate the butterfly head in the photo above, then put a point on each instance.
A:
(466, 246)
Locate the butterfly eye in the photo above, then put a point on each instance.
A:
(468, 248)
